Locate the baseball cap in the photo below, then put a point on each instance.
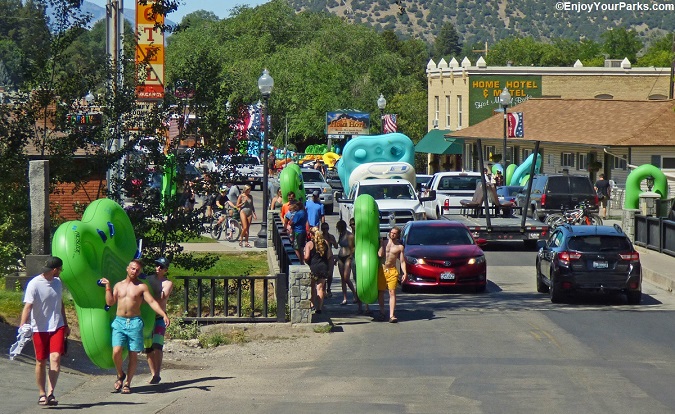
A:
(162, 261)
(52, 263)
(316, 193)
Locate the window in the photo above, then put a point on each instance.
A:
(459, 111)
(526, 153)
(447, 112)
(567, 159)
(668, 162)
(582, 163)
(489, 151)
(437, 110)
(468, 157)
(656, 161)
(620, 163)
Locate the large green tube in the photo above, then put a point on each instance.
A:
(366, 245)
(633, 191)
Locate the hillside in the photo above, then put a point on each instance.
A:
(478, 21)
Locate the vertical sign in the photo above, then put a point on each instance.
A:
(149, 53)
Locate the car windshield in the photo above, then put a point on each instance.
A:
(391, 191)
(442, 236)
(458, 183)
(312, 177)
(599, 244)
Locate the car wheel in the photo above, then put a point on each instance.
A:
(554, 291)
(438, 212)
(634, 298)
(541, 286)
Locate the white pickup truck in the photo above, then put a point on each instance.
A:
(396, 199)
(450, 187)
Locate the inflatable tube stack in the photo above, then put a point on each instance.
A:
(290, 179)
(100, 245)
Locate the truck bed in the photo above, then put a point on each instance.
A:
(501, 228)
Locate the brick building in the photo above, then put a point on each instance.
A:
(462, 95)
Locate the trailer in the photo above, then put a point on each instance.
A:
(484, 223)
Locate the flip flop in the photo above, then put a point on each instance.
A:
(119, 382)
(51, 400)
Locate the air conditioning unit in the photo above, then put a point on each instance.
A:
(435, 123)
(613, 63)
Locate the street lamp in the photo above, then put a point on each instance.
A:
(504, 101)
(381, 103)
(265, 85)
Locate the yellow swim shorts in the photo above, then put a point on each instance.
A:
(387, 278)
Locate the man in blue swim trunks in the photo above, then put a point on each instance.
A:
(129, 294)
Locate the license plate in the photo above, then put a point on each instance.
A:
(447, 276)
(600, 265)
(533, 235)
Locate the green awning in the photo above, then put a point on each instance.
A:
(435, 142)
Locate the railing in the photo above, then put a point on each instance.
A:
(655, 233)
(220, 288)
(282, 245)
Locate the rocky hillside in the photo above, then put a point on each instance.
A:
(478, 21)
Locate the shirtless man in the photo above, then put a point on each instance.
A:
(127, 327)
(161, 289)
(391, 251)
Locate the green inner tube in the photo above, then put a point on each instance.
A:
(366, 243)
(633, 191)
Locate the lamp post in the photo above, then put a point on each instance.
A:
(381, 103)
(504, 101)
(265, 85)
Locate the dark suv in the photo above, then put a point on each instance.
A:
(588, 258)
(552, 193)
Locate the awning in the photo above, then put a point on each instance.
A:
(435, 142)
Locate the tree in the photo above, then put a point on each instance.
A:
(447, 42)
(659, 53)
(619, 43)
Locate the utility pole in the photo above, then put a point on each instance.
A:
(114, 40)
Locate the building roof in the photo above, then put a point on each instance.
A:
(586, 121)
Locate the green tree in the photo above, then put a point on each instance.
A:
(659, 52)
(447, 42)
(619, 43)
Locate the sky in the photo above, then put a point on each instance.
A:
(220, 8)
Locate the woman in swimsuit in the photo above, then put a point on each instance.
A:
(318, 256)
(345, 259)
(246, 214)
(277, 201)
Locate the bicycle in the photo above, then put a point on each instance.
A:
(231, 225)
(579, 215)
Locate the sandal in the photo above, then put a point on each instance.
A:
(126, 389)
(393, 319)
(248, 245)
(42, 400)
(344, 302)
(51, 400)
(119, 382)
(155, 380)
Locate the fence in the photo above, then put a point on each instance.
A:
(226, 289)
(655, 233)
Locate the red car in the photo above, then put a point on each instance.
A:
(443, 253)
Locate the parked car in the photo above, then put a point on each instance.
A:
(443, 253)
(553, 193)
(508, 193)
(333, 179)
(588, 258)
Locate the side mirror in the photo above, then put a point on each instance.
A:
(430, 197)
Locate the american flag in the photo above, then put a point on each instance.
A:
(389, 121)
(516, 125)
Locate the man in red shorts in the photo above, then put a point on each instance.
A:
(45, 314)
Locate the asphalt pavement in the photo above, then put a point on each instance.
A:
(84, 387)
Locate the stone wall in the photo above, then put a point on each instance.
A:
(300, 294)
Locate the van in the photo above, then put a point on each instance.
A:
(553, 193)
